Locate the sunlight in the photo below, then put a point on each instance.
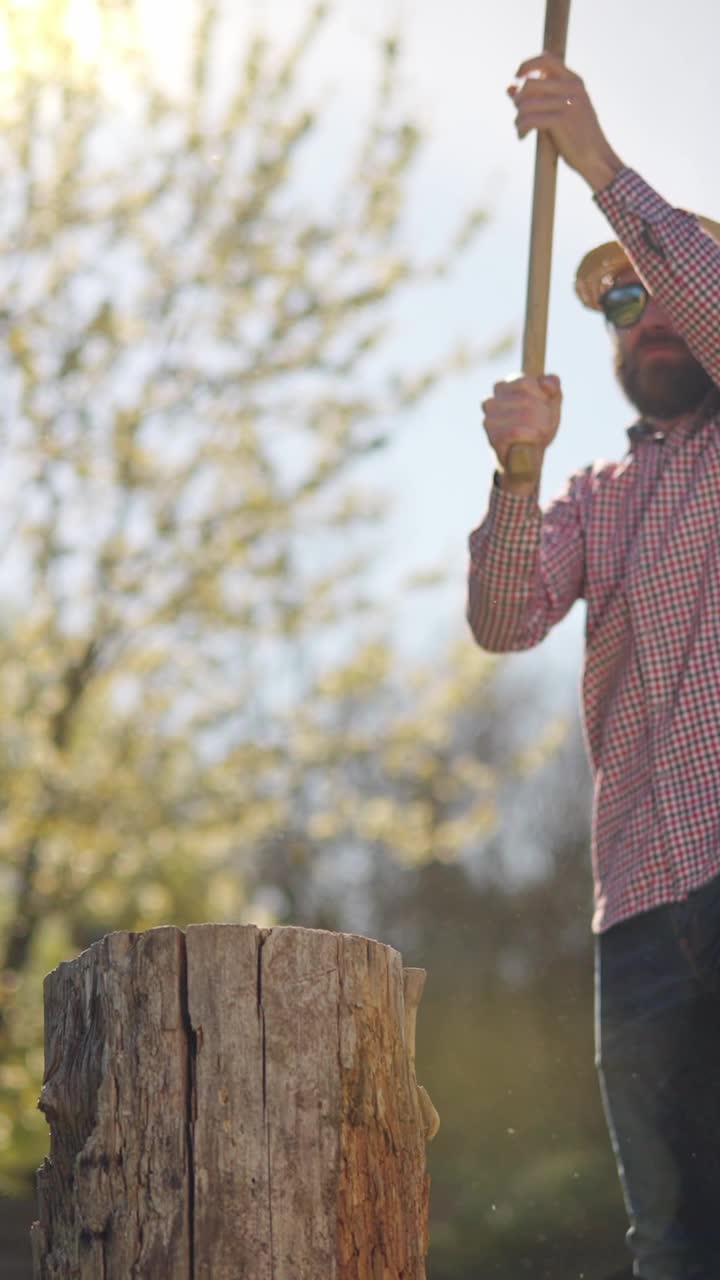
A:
(31, 28)
(40, 37)
(6, 57)
(89, 36)
(83, 27)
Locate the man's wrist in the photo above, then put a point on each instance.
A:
(601, 169)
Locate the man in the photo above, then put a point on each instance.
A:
(639, 541)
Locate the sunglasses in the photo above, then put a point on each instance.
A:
(623, 304)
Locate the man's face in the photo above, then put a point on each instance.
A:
(658, 373)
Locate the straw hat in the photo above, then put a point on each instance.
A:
(600, 266)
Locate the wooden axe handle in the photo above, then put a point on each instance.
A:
(523, 463)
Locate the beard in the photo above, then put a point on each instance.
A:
(659, 387)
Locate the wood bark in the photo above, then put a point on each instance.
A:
(231, 1103)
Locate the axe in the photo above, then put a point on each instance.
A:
(523, 462)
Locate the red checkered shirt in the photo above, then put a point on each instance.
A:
(639, 541)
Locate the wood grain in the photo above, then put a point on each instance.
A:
(114, 1194)
(233, 1104)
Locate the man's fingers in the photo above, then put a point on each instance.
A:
(550, 63)
(506, 431)
(547, 62)
(521, 390)
(498, 414)
(545, 91)
(519, 404)
(522, 410)
(550, 384)
(518, 388)
(514, 401)
(502, 406)
(507, 419)
(546, 119)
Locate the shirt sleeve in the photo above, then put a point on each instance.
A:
(527, 567)
(677, 260)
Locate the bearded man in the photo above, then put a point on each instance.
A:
(639, 541)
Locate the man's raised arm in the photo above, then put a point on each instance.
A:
(678, 262)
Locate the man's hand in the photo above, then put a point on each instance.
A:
(523, 410)
(551, 97)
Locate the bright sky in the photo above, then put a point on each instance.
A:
(650, 66)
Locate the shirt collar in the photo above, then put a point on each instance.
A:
(642, 432)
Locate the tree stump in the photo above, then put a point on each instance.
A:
(232, 1103)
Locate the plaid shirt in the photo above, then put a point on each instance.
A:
(639, 541)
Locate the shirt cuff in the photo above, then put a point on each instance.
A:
(511, 515)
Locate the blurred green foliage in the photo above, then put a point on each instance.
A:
(191, 673)
(203, 716)
(523, 1179)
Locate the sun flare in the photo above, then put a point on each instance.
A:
(31, 29)
(83, 28)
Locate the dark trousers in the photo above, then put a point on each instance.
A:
(658, 1057)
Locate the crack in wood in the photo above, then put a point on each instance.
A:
(254, 1110)
(263, 937)
(193, 1043)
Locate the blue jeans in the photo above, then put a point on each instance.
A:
(657, 1027)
